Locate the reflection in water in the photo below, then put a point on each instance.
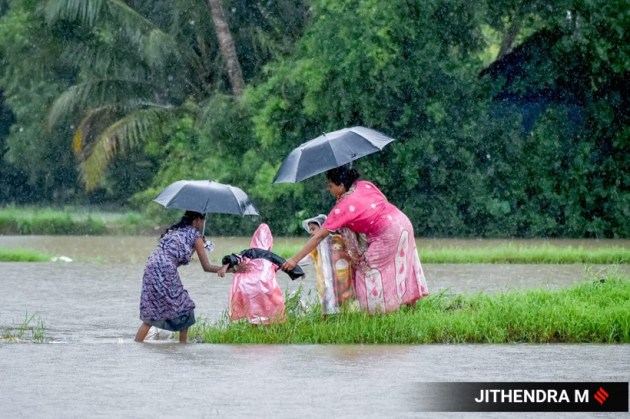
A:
(93, 368)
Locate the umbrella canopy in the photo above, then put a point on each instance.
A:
(206, 196)
(328, 151)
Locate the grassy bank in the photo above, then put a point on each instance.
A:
(541, 254)
(22, 255)
(77, 221)
(505, 254)
(71, 221)
(594, 312)
(528, 254)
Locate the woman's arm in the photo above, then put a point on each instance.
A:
(203, 257)
(311, 244)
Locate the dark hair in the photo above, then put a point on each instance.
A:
(186, 220)
(342, 175)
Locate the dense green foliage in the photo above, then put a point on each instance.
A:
(592, 312)
(510, 118)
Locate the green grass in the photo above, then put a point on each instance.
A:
(528, 254)
(509, 253)
(594, 312)
(71, 221)
(32, 329)
(22, 255)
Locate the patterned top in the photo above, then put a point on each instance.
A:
(163, 295)
(178, 245)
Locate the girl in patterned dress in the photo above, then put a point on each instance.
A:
(164, 303)
(379, 239)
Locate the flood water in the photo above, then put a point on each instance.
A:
(92, 367)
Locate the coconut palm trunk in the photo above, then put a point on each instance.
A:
(226, 45)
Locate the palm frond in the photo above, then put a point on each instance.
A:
(94, 122)
(77, 142)
(85, 11)
(99, 93)
(104, 62)
(155, 45)
(129, 16)
(119, 137)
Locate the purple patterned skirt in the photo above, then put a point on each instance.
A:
(164, 303)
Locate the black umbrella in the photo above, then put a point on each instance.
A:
(328, 151)
(206, 196)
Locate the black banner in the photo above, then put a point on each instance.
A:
(521, 397)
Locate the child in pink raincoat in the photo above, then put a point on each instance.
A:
(255, 294)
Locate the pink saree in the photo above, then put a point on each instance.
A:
(255, 294)
(387, 267)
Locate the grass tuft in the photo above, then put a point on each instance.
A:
(32, 329)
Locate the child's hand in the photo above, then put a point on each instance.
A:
(221, 272)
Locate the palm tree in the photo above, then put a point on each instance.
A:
(226, 44)
(136, 66)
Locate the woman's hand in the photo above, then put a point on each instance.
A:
(289, 265)
(311, 244)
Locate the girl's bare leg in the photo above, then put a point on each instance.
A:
(142, 332)
(183, 336)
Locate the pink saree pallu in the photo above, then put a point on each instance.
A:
(255, 294)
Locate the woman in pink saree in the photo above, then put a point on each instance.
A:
(380, 240)
(255, 294)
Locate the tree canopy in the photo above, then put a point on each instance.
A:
(510, 118)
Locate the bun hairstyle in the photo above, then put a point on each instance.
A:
(342, 176)
(186, 220)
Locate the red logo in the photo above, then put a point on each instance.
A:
(601, 396)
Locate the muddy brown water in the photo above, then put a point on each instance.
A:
(92, 367)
